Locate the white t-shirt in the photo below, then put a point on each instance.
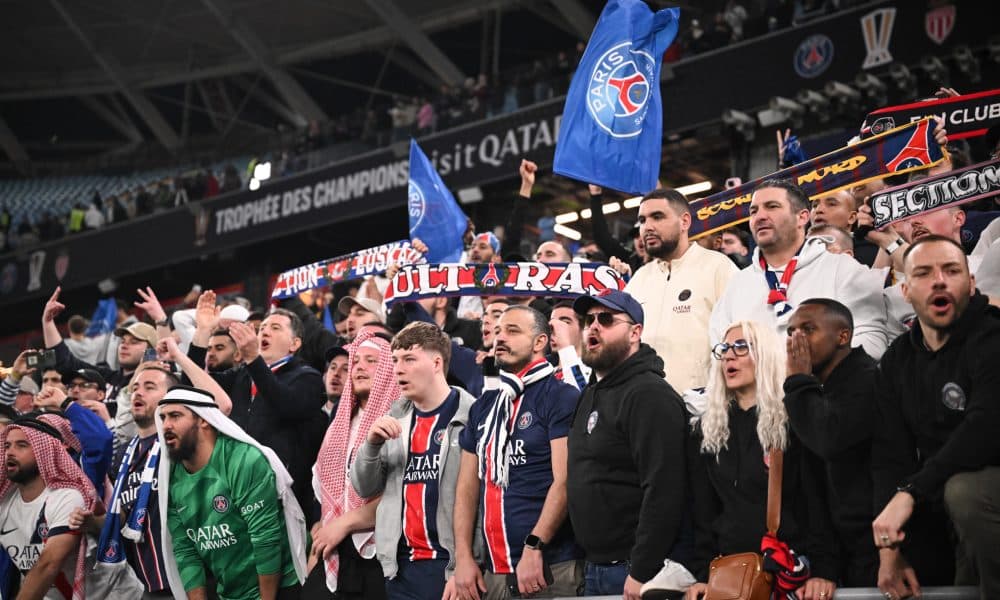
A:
(24, 527)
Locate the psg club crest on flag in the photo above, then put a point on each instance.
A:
(939, 22)
(813, 56)
(416, 204)
(915, 152)
(619, 90)
(491, 276)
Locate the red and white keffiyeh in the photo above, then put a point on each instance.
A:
(334, 456)
(65, 430)
(59, 471)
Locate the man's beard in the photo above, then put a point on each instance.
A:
(513, 366)
(143, 421)
(186, 446)
(222, 365)
(24, 474)
(665, 249)
(612, 354)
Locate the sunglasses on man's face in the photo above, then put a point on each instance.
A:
(739, 348)
(605, 319)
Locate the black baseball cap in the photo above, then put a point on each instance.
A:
(90, 375)
(334, 351)
(613, 299)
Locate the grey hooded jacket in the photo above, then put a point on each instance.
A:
(379, 469)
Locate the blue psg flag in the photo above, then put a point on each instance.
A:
(435, 217)
(104, 318)
(612, 123)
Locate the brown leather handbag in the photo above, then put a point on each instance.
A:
(742, 576)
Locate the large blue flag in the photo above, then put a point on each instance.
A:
(104, 318)
(612, 123)
(435, 217)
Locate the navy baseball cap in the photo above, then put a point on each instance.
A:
(613, 299)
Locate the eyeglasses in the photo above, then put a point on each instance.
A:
(739, 348)
(606, 319)
(83, 386)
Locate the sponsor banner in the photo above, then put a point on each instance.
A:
(901, 150)
(966, 116)
(371, 261)
(559, 280)
(937, 192)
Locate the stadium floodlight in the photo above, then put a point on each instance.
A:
(611, 207)
(567, 218)
(936, 71)
(695, 188)
(782, 104)
(741, 122)
(262, 171)
(567, 232)
(632, 202)
(872, 87)
(993, 46)
(905, 80)
(841, 92)
(818, 104)
(967, 62)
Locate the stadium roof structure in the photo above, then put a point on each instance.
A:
(92, 76)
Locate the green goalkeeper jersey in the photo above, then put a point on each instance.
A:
(226, 519)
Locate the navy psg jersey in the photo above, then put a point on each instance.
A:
(420, 480)
(542, 414)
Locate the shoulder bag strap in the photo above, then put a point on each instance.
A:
(774, 490)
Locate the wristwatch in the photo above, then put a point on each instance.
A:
(534, 542)
(895, 245)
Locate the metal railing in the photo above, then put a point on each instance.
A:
(927, 593)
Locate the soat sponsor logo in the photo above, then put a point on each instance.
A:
(842, 167)
(707, 212)
(251, 508)
(212, 537)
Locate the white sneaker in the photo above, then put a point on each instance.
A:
(669, 584)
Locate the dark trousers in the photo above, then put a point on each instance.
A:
(605, 579)
(417, 580)
(358, 578)
(973, 502)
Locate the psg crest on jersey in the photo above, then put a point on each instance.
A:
(619, 90)
(439, 437)
(524, 421)
(220, 503)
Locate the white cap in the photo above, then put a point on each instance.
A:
(234, 312)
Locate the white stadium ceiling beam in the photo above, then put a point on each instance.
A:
(29, 86)
(122, 126)
(290, 90)
(13, 148)
(142, 105)
(415, 37)
(577, 16)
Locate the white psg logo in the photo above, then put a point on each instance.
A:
(416, 204)
(591, 422)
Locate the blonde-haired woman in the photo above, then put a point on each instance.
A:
(744, 418)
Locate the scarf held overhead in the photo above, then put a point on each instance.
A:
(934, 193)
(371, 261)
(970, 115)
(908, 148)
(561, 280)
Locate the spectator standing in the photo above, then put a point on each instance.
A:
(94, 218)
(626, 479)
(786, 270)
(678, 288)
(830, 402)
